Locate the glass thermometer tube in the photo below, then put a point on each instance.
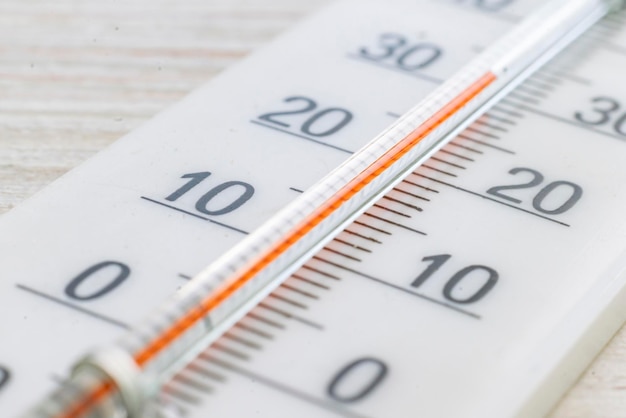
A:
(124, 379)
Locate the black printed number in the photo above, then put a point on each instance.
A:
(219, 200)
(605, 112)
(405, 55)
(552, 199)
(319, 122)
(97, 281)
(357, 380)
(492, 5)
(468, 285)
(5, 376)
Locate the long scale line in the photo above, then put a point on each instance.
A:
(395, 68)
(400, 288)
(62, 302)
(195, 215)
(566, 121)
(331, 407)
(266, 125)
(492, 200)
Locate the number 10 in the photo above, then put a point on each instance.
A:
(454, 286)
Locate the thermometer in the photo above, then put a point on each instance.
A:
(465, 288)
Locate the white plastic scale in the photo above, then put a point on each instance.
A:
(479, 287)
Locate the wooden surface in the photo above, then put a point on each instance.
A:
(77, 74)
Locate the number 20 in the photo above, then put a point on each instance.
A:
(490, 5)
(320, 123)
(575, 192)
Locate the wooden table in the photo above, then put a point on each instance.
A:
(77, 74)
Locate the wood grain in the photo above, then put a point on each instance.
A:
(77, 74)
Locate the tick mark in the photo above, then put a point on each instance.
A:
(195, 215)
(285, 131)
(67, 304)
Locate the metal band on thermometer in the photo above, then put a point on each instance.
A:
(126, 379)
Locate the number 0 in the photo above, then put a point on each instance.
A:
(344, 388)
(117, 273)
(456, 281)
(5, 376)
(492, 5)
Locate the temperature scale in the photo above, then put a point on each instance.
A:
(480, 285)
